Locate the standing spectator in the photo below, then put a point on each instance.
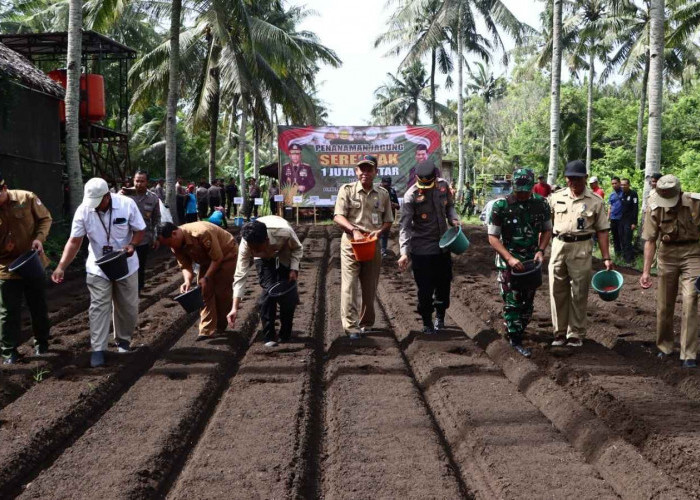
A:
(542, 188)
(673, 218)
(191, 211)
(428, 207)
(159, 190)
(361, 210)
(519, 229)
(595, 187)
(231, 193)
(628, 219)
(273, 191)
(273, 245)
(111, 222)
(216, 252)
(253, 192)
(216, 196)
(653, 180)
(149, 207)
(577, 214)
(384, 238)
(180, 200)
(615, 214)
(24, 225)
(202, 200)
(468, 199)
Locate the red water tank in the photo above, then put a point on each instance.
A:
(92, 95)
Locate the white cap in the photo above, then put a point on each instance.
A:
(95, 189)
(592, 180)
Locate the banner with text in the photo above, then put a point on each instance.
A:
(316, 161)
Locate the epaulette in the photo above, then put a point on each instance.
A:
(383, 189)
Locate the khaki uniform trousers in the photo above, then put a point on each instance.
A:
(117, 301)
(678, 262)
(217, 300)
(358, 288)
(569, 279)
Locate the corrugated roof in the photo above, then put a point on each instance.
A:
(20, 69)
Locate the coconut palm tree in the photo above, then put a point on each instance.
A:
(555, 103)
(460, 20)
(171, 108)
(73, 58)
(488, 87)
(398, 101)
(631, 29)
(407, 29)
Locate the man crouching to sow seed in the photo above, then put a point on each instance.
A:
(519, 228)
(216, 252)
(427, 207)
(273, 245)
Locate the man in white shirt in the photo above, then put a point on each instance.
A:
(111, 222)
(273, 245)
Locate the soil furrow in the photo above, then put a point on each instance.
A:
(604, 405)
(142, 439)
(503, 445)
(38, 426)
(70, 344)
(380, 441)
(249, 448)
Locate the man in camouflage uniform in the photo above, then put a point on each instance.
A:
(519, 229)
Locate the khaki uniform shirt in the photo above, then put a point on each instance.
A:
(203, 243)
(150, 211)
(567, 211)
(424, 217)
(677, 224)
(366, 210)
(23, 219)
(284, 244)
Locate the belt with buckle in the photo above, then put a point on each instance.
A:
(684, 242)
(571, 238)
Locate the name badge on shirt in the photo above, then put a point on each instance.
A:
(375, 219)
(107, 249)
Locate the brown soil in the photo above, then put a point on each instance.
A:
(395, 414)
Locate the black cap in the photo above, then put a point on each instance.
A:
(575, 168)
(294, 147)
(425, 169)
(367, 160)
(386, 180)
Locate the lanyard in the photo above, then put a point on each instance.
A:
(108, 231)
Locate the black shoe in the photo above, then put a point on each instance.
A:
(690, 363)
(40, 350)
(521, 349)
(662, 355)
(428, 328)
(123, 346)
(12, 359)
(439, 324)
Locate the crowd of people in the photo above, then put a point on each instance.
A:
(520, 229)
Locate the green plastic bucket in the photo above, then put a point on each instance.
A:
(607, 284)
(454, 240)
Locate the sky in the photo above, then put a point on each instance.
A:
(350, 28)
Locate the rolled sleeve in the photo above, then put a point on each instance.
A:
(245, 260)
(297, 251)
(495, 221)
